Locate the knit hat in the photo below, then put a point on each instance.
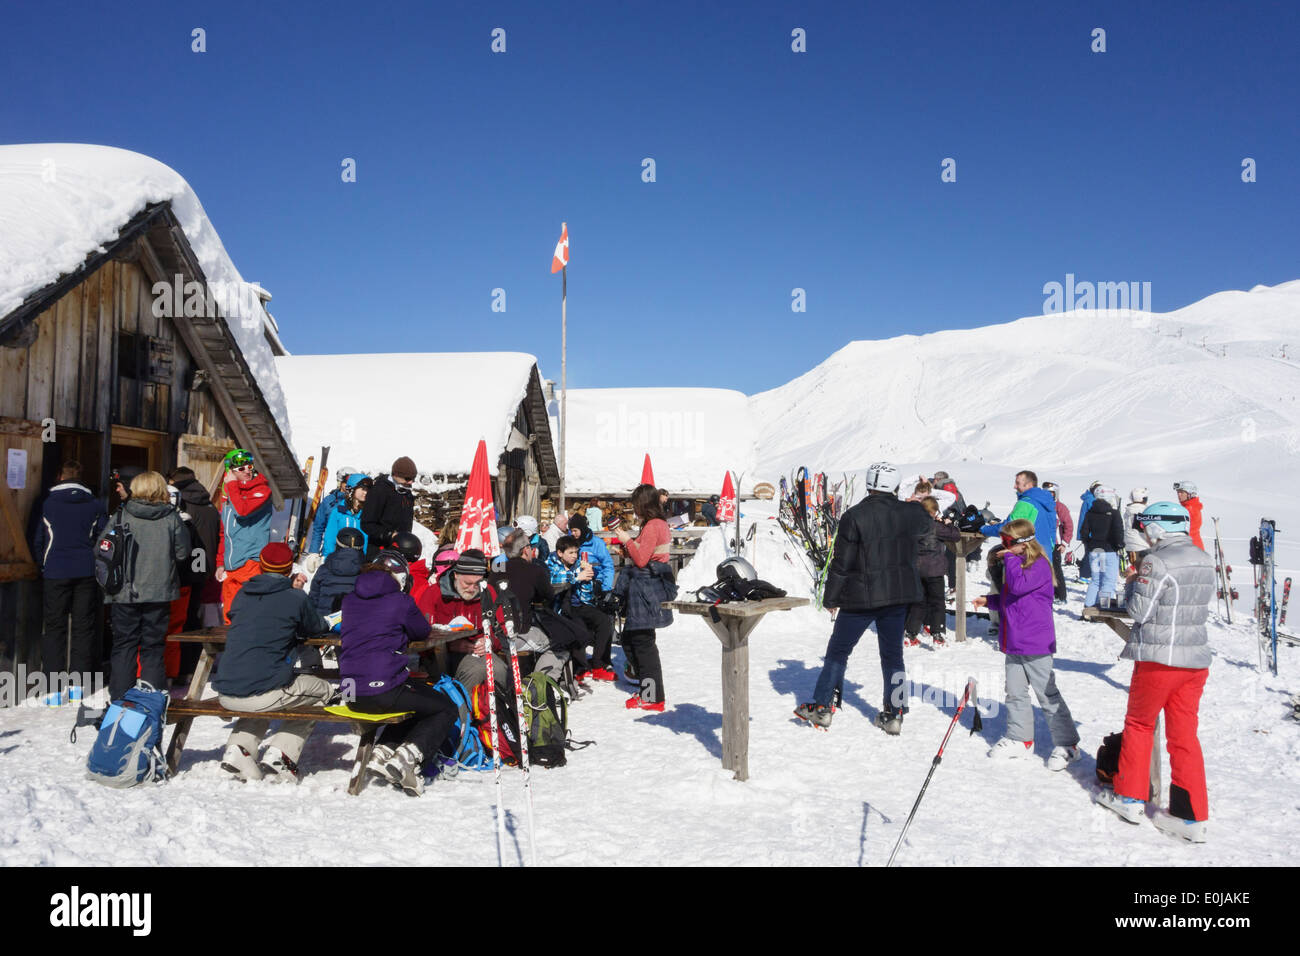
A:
(404, 468)
(276, 558)
(471, 561)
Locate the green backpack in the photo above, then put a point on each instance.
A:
(547, 718)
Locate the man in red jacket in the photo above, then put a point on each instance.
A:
(457, 594)
(1188, 499)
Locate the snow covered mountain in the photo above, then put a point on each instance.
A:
(1129, 398)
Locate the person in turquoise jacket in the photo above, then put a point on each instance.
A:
(594, 549)
(348, 513)
(1033, 504)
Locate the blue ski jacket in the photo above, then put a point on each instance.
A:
(1044, 519)
(323, 512)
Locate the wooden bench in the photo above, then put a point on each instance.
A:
(180, 710)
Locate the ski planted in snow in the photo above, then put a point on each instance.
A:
(315, 501)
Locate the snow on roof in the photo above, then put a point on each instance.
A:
(60, 202)
(693, 436)
(432, 407)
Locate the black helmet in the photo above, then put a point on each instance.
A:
(392, 561)
(409, 545)
(350, 538)
(736, 568)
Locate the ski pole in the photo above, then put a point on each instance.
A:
(976, 724)
(503, 597)
(489, 612)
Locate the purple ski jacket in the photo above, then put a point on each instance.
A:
(378, 622)
(1025, 606)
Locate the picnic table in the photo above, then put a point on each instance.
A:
(213, 639)
(732, 625)
(1117, 619)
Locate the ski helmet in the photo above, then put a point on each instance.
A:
(882, 476)
(237, 458)
(392, 561)
(1186, 487)
(409, 546)
(360, 478)
(1052, 488)
(527, 524)
(350, 538)
(346, 471)
(1168, 516)
(444, 559)
(709, 595)
(1137, 494)
(736, 568)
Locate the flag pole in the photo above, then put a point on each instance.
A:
(564, 372)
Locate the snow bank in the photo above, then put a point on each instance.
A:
(693, 436)
(60, 202)
(430, 406)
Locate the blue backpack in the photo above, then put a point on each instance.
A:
(463, 748)
(128, 749)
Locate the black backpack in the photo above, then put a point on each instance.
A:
(115, 556)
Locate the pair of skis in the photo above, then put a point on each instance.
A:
(1227, 593)
(299, 530)
(505, 633)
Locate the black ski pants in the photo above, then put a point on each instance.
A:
(79, 598)
(643, 655)
(435, 714)
(138, 630)
(601, 627)
(1059, 576)
(931, 611)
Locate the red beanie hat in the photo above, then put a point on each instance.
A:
(276, 558)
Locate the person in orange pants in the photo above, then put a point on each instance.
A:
(1169, 597)
(245, 525)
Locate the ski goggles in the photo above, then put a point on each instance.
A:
(237, 458)
(1010, 540)
(1143, 520)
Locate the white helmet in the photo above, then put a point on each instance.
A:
(882, 476)
(347, 470)
(1137, 494)
(1186, 487)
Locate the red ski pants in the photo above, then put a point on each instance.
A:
(1176, 691)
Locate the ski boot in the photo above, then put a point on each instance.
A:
(240, 762)
(891, 722)
(1062, 757)
(403, 769)
(911, 640)
(278, 768)
(815, 714)
(1129, 809)
(1193, 831)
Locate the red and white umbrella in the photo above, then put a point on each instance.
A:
(727, 501)
(478, 516)
(647, 474)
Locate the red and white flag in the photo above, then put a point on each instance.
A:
(478, 515)
(561, 257)
(727, 501)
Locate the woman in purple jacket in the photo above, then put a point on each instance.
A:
(1028, 638)
(379, 620)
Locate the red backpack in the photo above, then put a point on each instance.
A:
(507, 745)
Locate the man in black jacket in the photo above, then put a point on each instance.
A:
(337, 577)
(390, 507)
(873, 578)
(71, 519)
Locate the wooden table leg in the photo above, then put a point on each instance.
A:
(735, 710)
(197, 683)
(364, 749)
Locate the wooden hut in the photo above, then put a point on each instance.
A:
(90, 369)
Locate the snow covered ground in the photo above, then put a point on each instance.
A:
(652, 791)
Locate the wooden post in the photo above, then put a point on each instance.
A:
(962, 547)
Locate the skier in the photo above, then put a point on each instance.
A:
(1028, 638)
(1169, 597)
(379, 621)
(268, 617)
(390, 507)
(323, 512)
(1064, 533)
(1087, 498)
(337, 576)
(1188, 498)
(931, 564)
(1035, 505)
(347, 513)
(71, 519)
(872, 578)
(1133, 541)
(645, 585)
(245, 525)
(1102, 534)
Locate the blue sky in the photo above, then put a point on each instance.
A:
(775, 170)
